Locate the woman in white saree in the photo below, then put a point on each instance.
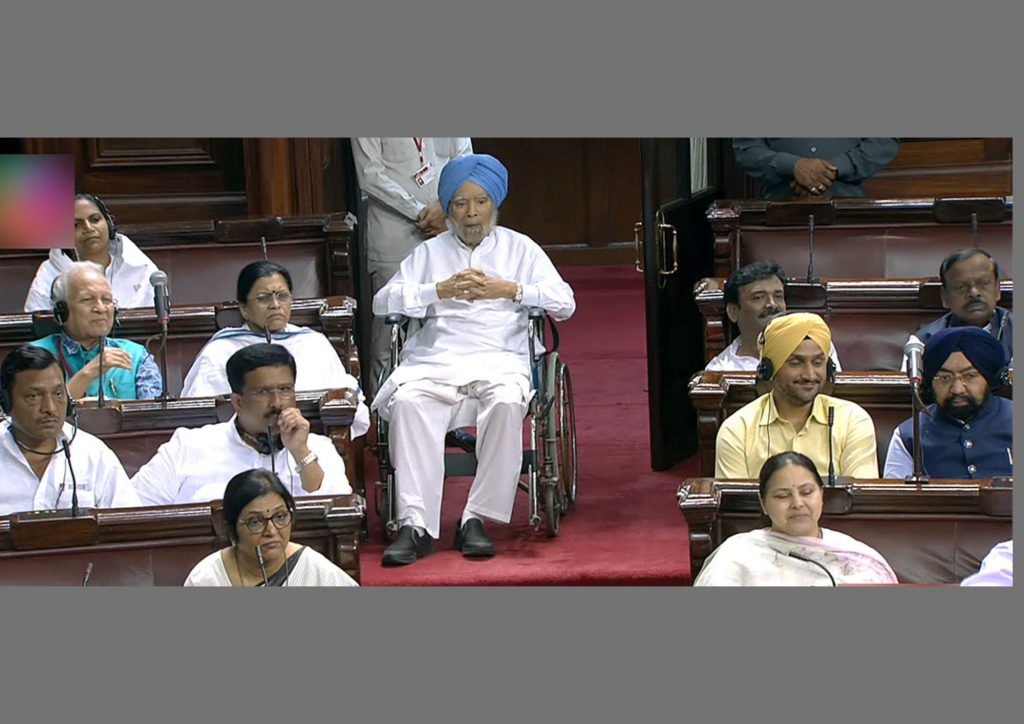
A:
(794, 551)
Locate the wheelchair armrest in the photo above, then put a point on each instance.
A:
(396, 319)
(536, 312)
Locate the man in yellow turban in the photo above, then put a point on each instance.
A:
(794, 415)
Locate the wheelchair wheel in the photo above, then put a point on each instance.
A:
(552, 508)
(565, 432)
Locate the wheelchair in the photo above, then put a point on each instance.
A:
(549, 465)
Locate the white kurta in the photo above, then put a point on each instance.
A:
(128, 274)
(468, 364)
(312, 569)
(460, 341)
(195, 465)
(730, 360)
(101, 480)
(317, 366)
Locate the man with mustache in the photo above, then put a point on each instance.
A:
(968, 431)
(84, 307)
(753, 296)
(38, 472)
(195, 465)
(794, 414)
(469, 362)
(970, 291)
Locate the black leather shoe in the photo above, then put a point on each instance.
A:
(407, 547)
(473, 541)
(460, 439)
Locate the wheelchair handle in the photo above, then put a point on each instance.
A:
(536, 312)
(396, 319)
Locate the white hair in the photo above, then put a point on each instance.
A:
(59, 289)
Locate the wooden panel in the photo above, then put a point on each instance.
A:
(946, 167)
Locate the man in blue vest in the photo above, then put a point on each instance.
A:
(968, 431)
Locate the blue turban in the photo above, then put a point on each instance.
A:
(485, 171)
(984, 351)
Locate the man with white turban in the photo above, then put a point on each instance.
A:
(468, 364)
(794, 415)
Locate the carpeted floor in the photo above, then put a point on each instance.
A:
(625, 528)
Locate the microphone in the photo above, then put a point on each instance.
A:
(161, 296)
(815, 563)
(263, 569)
(88, 572)
(103, 348)
(914, 351)
(270, 442)
(831, 466)
(74, 481)
(810, 254)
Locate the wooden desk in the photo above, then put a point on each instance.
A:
(935, 533)
(156, 546)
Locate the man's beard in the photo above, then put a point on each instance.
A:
(965, 412)
(471, 235)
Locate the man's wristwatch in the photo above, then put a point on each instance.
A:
(518, 298)
(307, 461)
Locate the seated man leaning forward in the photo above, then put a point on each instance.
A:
(754, 295)
(264, 295)
(968, 431)
(794, 550)
(195, 465)
(794, 415)
(970, 291)
(469, 362)
(44, 460)
(84, 307)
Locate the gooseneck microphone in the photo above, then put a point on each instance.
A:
(810, 254)
(74, 481)
(914, 351)
(162, 303)
(831, 464)
(273, 452)
(814, 563)
(88, 572)
(103, 348)
(263, 569)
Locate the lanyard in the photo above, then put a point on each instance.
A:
(419, 149)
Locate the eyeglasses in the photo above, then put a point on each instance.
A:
(946, 379)
(264, 299)
(258, 525)
(963, 288)
(264, 393)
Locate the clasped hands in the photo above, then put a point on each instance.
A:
(812, 176)
(472, 284)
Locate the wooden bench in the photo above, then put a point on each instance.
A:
(202, 258)
(870, 319)
(156, 546)
(858, 238)
(935, 533)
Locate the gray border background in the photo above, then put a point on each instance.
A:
(192, 68)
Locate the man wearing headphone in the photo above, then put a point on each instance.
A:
(47, 462)
(84, 307)
(794, 415)
(126, 267)
(968, 431)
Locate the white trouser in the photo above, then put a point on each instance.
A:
(380, 334)
(421, 412)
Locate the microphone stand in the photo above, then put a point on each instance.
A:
(831, 463)
(918, 406)
(810, 255)
(163, 359)
(974, 228)
(103, 347)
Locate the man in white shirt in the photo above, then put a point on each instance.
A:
(753, 296)
(399, 175)
(268, 431)
(45, 463)
(468, 364)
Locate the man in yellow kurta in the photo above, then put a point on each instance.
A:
(794, 414)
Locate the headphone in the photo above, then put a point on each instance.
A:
(6, 404)
(111, 226)
(61, 311)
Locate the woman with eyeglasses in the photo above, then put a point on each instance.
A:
(258, 516)
(264, 294)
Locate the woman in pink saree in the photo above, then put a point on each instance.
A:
(794, 551)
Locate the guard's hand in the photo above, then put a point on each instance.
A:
(431, 220)
(294, 429)
(814, 174)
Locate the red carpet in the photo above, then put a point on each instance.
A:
(625, 528)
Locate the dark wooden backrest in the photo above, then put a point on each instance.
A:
(858, 238)
(202, 259)
(870, 319)
(156, 546)
(935, 533)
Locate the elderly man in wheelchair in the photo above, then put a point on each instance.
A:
(468, 364)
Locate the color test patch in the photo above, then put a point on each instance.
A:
(37, 195)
